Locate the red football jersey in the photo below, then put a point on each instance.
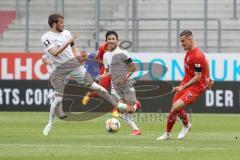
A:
(195, 61)
(101, 51)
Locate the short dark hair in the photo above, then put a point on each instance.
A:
(186, 33)
(111, 32)
(53, 18)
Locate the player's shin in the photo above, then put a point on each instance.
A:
(172, 117)
(129, 120)
(183, 116)
(47, 129)
(57, 100)
(103, 93)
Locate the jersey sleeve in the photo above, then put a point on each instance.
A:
(126, 54)
(126, 58)
(198, 63)
(101, 51)
(100, 55)
(68, 33)
(105, 61)
(46, 42)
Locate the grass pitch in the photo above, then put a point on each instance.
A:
(213, 137)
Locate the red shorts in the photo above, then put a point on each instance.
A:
(101, 70)
(188, 95)
(106, 81)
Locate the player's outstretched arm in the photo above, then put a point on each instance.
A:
(195, 79)
(57, 51)
(79, 55)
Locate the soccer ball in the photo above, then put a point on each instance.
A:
(112, 125)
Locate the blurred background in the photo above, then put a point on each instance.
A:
(152, 25)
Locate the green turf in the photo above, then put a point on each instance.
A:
(213, 137)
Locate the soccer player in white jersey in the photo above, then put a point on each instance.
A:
(47, 59)
(119, 65)
(68, 63)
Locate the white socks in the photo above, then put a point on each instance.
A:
(129, 120)
(55, 103)
(103, 93)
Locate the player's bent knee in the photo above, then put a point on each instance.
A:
(179, 104)
(58, 99)
(97, 87)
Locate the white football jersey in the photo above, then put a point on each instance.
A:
(52, 39)
(108, 56)
(50, 67)
(116, 62)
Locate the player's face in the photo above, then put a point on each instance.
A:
(112, 42)
(60, 25)
(186, 42)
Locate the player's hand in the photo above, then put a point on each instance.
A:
(209, 83)
(101, 77)
(84, 54)
(73, 38)
(105, 74)
(47, 61)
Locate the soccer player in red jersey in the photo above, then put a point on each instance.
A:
(194, 83)
(103, 82)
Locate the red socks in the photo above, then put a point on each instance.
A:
(183, 116)
(172, 117)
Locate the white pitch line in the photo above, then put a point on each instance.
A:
(133, 147)
(109, 146)
(32, 145)
(211, 148)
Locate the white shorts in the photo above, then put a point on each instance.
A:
(127, 93)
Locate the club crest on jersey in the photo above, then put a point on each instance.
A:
(189, 95)
(47, 43)
(197, 65)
